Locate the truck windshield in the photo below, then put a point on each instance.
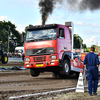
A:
(43, 34)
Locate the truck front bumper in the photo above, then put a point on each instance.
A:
(41, 62)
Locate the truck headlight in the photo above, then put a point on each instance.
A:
(53, 57)
(27, 59)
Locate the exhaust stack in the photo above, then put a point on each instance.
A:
(71, 27)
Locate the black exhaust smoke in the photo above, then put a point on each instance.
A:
(47, 6)
(46, 9)
(86, 4)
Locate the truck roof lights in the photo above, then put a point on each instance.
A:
(42, 26)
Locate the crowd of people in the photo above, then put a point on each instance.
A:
(12, 54)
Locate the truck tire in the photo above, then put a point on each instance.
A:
(4, 59)
(34, 72)
(65, 70)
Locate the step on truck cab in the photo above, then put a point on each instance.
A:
(50, 48)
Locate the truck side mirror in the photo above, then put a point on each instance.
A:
(61, 32)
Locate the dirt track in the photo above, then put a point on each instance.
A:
(13, 83)
(20, 82)
(13, 64)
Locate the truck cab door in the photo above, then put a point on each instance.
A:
(61, 41)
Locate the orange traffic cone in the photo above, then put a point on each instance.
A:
(80, 85)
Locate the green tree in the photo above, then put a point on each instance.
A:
(27, 27)
(84, 46)
(77, 41)
(7, 29)
(24, 33)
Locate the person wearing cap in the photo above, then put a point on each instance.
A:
(91, 64)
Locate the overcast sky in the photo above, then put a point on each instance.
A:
(25, 12)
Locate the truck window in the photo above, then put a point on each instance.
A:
(41, 34)
(61, 33)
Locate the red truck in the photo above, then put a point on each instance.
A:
(50, 48)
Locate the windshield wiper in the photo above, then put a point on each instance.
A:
(44, 37)
(30, 39)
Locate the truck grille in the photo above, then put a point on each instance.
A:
(39, 59)
(40, 51)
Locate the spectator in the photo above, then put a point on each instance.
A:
(91, 64)
(12, 54)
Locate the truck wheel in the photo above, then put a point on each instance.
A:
(65, 70)
(34, 72)
(4, 59)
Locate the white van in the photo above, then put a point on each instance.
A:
(19, 51)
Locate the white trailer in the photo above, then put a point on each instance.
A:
(19, 50)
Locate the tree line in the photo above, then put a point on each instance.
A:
(8, 31)
(78, 42)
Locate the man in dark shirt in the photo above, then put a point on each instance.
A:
(91, 64)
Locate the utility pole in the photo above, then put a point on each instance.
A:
(8, 42)
(8, 36)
